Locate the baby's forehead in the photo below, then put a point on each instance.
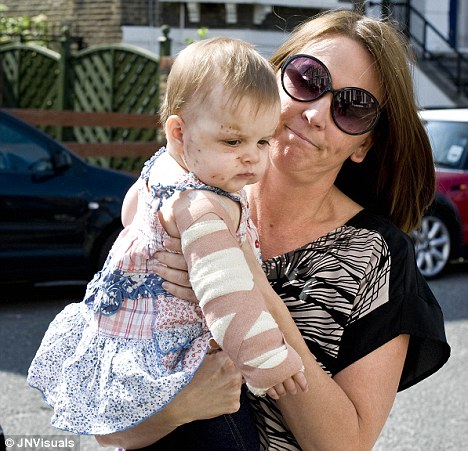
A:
(222, 98)
(219, 104)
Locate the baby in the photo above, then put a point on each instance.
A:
(122, 354)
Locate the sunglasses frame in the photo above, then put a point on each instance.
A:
(334, 92)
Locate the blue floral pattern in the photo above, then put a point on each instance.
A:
(122, 354)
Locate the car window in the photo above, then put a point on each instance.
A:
(449, 142)
(20, 153)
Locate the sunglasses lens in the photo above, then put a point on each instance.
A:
(355, 110)
(305, 79)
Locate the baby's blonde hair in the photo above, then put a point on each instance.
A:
(234, 63)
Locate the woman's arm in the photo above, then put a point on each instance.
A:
(344, 412)
(213, 391)
(349, 410)
(172, 267)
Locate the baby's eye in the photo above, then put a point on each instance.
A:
(233, 142)
(264, 142)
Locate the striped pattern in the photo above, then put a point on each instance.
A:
(327, 286)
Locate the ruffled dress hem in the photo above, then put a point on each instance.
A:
(99, 384)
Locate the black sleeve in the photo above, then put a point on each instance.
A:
(411, 309)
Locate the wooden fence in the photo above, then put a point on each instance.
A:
(88, 119)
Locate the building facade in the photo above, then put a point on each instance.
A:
(93, 21)
(139, 21)
(265, 23)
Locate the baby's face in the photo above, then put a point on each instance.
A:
(227, 145)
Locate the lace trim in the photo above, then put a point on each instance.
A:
(106, 292)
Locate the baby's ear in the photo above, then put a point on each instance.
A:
(175, 130)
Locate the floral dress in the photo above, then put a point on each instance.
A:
(129, 347)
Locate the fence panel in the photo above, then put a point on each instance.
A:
(112, 78)
(29, 76)
(115, 78)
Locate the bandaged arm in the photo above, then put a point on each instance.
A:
(233, 307)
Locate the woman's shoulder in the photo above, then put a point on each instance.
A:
(404, 280)
(373, 221)
(413, 308)
(397, 251)
(394, 238)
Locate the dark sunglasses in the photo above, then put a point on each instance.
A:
(354, 110)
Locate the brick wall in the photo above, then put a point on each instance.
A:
(100, 21)
(136, 12)
(97, 21)
(57, 11)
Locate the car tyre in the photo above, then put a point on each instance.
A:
(432, 246)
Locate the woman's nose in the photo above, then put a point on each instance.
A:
(318, 112)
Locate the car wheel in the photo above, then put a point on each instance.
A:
(432, 245)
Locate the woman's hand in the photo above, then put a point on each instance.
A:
(172, 267)
(214, 390)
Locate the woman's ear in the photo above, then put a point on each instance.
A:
(360, 153)
(175, 130)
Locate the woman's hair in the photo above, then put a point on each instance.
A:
(234, 63)
(397, 177)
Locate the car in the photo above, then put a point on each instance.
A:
(58, 214)
(443, 235)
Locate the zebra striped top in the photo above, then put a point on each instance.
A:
(350, 292)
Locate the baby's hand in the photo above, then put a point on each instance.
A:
(290, 386)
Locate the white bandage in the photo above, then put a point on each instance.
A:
(219, 273)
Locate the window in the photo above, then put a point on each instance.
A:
(449, 142)
(20, 153)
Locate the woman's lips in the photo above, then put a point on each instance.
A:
(294, 132)
(300, 136)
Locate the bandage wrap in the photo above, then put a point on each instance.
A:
(233, 307)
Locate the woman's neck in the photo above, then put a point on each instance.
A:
(290, 214)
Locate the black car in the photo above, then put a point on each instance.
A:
(58, 215)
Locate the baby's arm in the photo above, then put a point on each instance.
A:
(233, 306)
(130, 204)
(298, 380)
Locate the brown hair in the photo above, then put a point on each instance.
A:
(232, 62)
(397, 177)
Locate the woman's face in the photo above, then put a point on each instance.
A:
(308, 142)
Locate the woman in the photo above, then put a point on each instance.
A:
(350, 174)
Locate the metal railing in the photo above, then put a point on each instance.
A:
(446, 63)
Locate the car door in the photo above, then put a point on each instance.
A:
(43, 209)
(449, 140)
